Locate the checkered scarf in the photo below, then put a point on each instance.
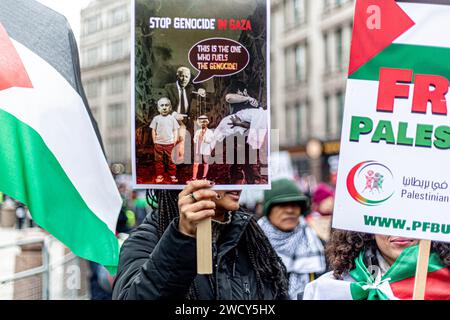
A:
(301, 251)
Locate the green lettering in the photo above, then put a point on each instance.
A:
(442, 135)
(435, 228)
(384, 132)
(360, 125)
(423, 135)
(416, 225)
(401, 136)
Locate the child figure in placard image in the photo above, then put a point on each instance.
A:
(165, 135)
(202, 144)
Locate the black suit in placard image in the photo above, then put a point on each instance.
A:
(191, 110)
(174, 97)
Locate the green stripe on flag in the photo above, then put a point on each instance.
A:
(405, 265)
(30, 173)
(420, 59)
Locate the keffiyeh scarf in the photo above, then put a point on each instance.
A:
(301, 251)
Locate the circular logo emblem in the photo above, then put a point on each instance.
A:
(370, 183)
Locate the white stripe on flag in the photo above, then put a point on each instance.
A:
(431, 25)
(327, 287)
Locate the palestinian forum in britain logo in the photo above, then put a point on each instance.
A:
(370, 183)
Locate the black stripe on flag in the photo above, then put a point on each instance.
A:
(442, 2)
(48, 34)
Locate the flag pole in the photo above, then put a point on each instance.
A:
(421, 270)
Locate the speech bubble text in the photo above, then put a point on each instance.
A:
(218, 57)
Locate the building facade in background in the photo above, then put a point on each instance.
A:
(105, 69)
(310, 47)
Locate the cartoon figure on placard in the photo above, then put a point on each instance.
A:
(165, 130)
(181, 94)
(202, 143)
(248, 119)
(369, 181)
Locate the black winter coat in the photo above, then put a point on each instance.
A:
(151, 268)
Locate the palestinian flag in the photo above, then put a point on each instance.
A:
(396, 283)
(51, 158)
(390, 129)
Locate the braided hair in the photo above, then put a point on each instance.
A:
(266, 263)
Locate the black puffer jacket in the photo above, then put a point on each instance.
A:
(165, 269)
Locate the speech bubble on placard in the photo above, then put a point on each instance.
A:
(218, 57)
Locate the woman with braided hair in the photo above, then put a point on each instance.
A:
(158, 260)
(379, 267)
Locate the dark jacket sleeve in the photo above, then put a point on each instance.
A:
(150, 269)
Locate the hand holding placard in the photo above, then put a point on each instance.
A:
(196, 209)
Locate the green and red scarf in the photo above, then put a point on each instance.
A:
(396, 283)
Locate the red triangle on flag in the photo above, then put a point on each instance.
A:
(377, 24)
(12, 70)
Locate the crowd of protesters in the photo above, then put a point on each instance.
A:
(289, 251)
(272, 258)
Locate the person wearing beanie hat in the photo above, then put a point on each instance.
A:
(323, 199)
(322, 208)
(296, 243)
(283, 191)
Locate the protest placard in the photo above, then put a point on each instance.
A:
(393, 176)
(200, 98)
(395, 135)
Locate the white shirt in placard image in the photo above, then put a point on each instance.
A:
(257, 117)
(203, 146)
(164, 126)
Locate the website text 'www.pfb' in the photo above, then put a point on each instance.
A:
(402, 224)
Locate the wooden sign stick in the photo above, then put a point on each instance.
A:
(422, 270)
(204, 247)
